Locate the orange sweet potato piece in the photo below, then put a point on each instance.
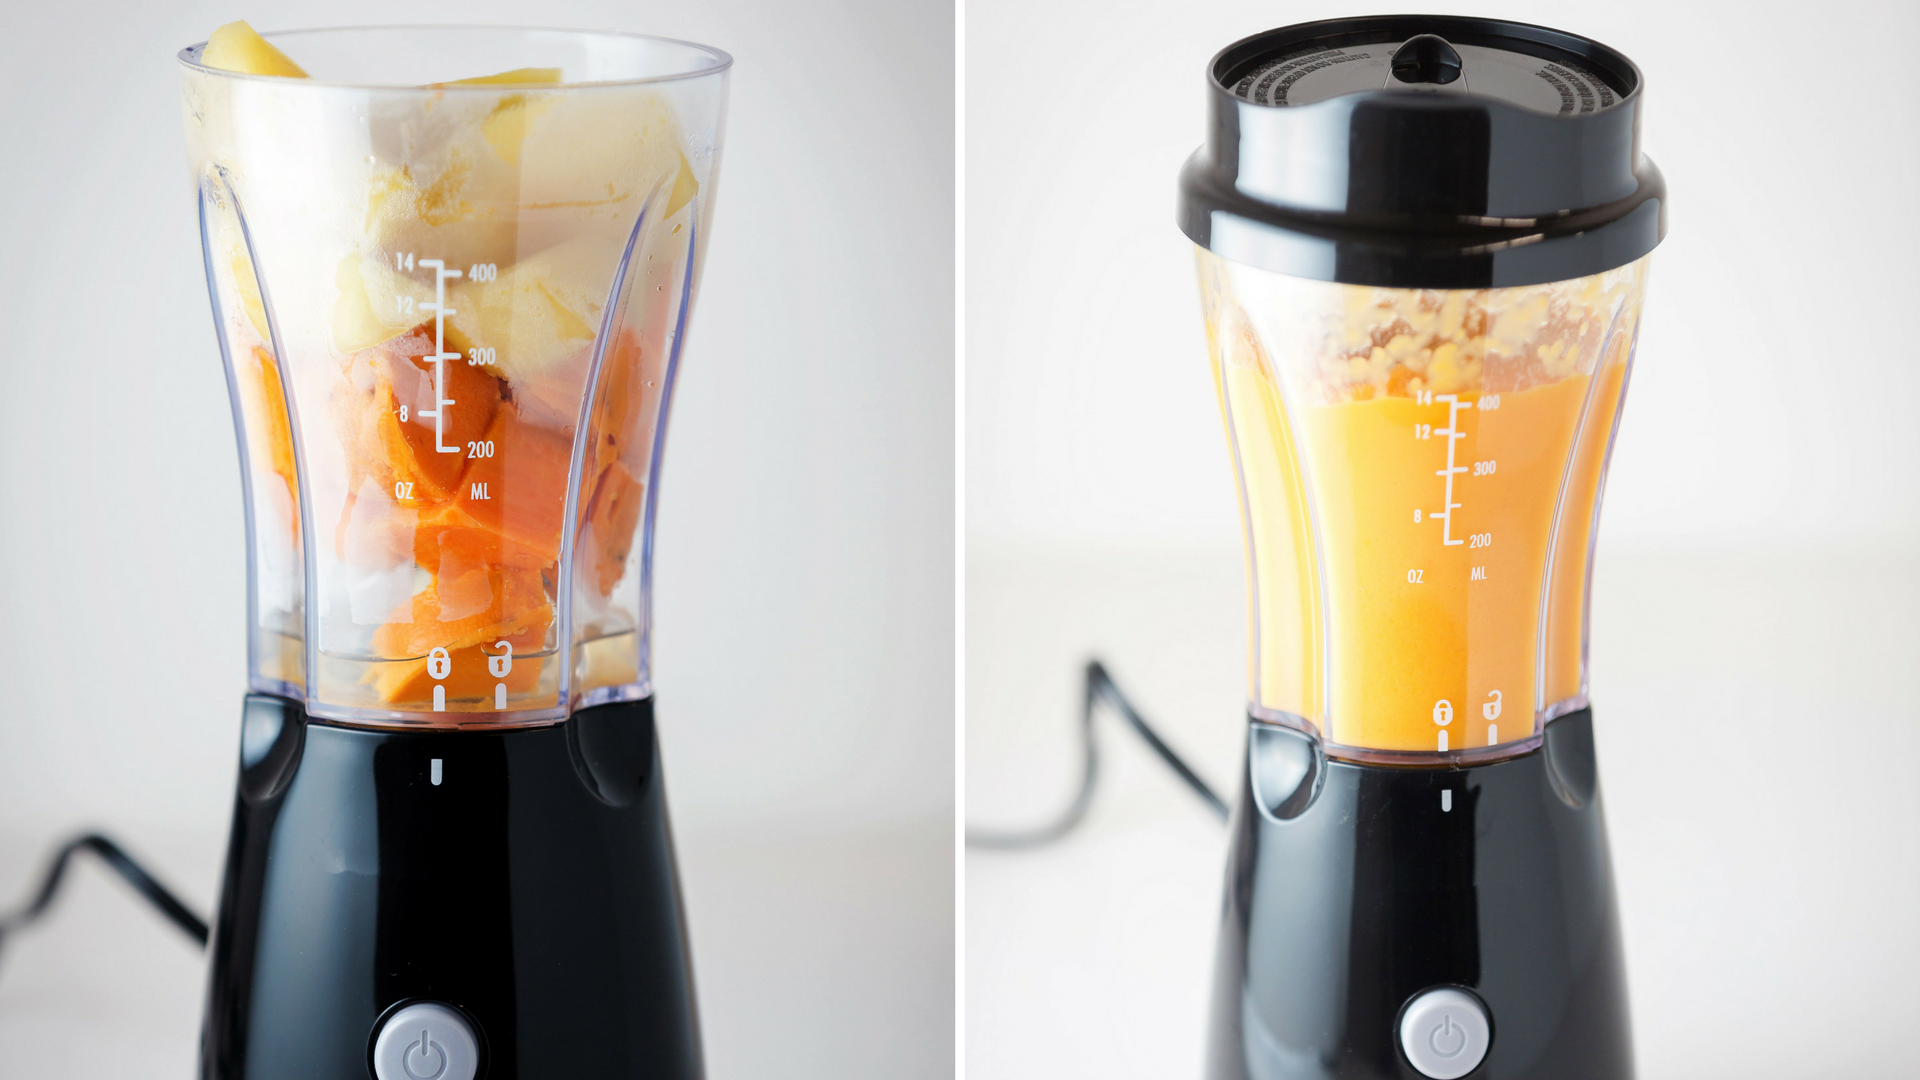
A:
(607, 535)
(470, 605)
(619, 404)
(520, 492)
(269, 437)
(447, 528)
(393, 450)
(473, 604)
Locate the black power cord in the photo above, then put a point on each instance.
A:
(109, 852)
(1099, 687)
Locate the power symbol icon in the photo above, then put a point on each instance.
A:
(426, 1059)
(1445, 1032)
(426, 1041)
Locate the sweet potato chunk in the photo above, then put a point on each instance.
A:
(473, 605)
(607, 535)
(468, 610)
(400, 376)
(269, 436)
(519, 492)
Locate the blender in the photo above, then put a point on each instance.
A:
(451, 309)
(1422, 246)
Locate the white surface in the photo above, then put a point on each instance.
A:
(1757, 725)
(816, 956)
(1770, 369)
(1444, 1033)
(804, 654)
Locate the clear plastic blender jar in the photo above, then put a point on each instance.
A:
(451, 308)
(1423, 244)
(1420, 471)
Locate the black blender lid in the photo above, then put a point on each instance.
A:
(1423, 151)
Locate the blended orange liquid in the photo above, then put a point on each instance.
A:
(1408, 508)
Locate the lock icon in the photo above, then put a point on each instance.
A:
(498, 666)
(1491, 710)
(1443, 712)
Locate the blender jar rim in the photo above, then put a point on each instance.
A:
(722, 61)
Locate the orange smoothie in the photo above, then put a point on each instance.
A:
(1420, 475)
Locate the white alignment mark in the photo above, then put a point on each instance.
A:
(433, 772)
(500, 695)
(1454, 434)
(1443, 736)
(1493, 734)
(440, 357)
(1446, 799)
(440, 699)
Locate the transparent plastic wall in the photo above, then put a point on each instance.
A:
(451, 316)
(1420, 473)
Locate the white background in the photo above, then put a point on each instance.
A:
(1772, 386)
(1756, 596)
(804, 651)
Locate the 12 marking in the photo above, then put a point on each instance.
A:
(440, 356)
(1454, 435)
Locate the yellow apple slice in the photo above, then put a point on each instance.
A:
(375, 302)
(535, 315)
(235, 47)
(516, 77)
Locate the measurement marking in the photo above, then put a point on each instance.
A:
(1446, 796)
(1454, 435)
(434, 772)
(441, 400)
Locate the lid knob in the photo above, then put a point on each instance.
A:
(1426, 58)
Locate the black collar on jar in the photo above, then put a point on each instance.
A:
(1414, 151)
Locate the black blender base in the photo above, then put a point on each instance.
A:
(1353, 888)
(525, 878)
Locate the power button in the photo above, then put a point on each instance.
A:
(426, 1041)
(1445, 1032)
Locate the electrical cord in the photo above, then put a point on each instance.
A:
(109, 852)
(1099, 687)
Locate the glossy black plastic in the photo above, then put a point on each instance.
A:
(1351, 888)
(1411, 190)
(533, 888)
